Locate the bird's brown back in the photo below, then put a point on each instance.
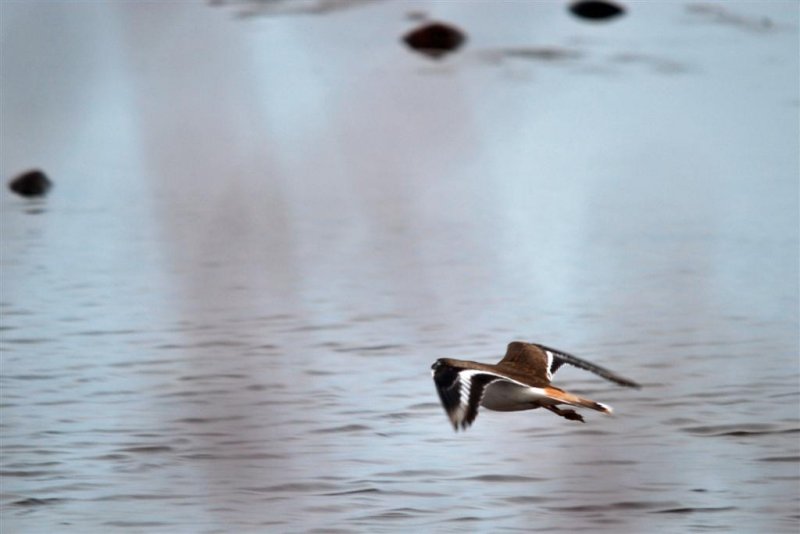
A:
(523, 362)
(526, 360)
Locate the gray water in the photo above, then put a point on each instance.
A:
(265, 228)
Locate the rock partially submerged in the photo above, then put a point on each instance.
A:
(596, 10)
(33, 183)
(435, 39)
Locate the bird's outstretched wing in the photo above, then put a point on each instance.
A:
(557, 358)
(460, 391)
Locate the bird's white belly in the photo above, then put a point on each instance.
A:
(505, 396)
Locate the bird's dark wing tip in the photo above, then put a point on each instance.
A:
(460, 391)
(560, 358)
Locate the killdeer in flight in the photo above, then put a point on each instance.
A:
(520, 381)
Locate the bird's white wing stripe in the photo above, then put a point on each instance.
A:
(465, 384)
(465, 387)
(472, 373)
(549, 364)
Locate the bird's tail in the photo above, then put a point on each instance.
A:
(573, 400)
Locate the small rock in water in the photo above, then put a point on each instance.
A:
(596, 10)
(33, 183)
(435, 39)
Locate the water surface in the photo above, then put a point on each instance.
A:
(265, 229)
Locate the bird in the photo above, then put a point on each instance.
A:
(520, 381)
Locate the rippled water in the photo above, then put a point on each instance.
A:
(264, 231)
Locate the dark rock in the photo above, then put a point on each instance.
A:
(596, 10)
(435, 39)
(33, 183)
